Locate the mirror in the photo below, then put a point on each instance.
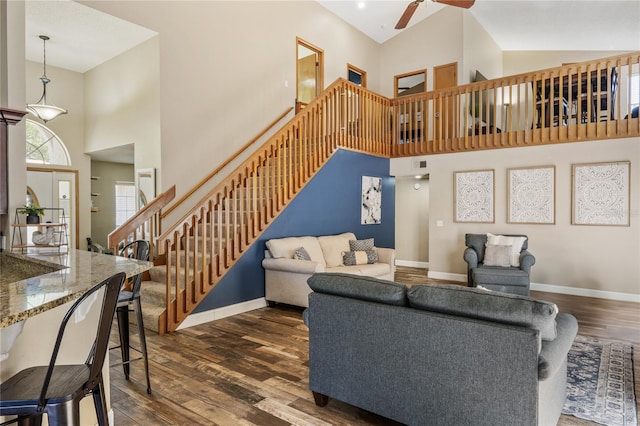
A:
(146, 184)
(410, 83)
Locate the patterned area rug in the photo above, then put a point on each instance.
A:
(600, 382)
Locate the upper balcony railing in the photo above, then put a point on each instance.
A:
(574, 102)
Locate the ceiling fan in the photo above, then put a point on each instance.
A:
(411, 8)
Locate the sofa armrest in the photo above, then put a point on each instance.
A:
(471, 257)
(293, 265)
(386, 255)
(554, 352)
(527, 260)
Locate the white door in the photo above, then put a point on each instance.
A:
(56, 191)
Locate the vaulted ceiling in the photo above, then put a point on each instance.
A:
(82, 37)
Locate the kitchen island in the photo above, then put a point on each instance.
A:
(35, 293)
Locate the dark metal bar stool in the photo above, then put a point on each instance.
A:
(57, 389)
(138, 249)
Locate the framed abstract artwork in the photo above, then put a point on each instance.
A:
(371, 203)
(600, 193)
(474, 196)
(531, 192)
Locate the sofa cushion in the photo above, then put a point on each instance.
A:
(375, 269)
(280, 248)
(487, 305)
(333, 246)
(497, 255)
(361, 245)
(359, 287)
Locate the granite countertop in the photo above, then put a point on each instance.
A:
(58, 279)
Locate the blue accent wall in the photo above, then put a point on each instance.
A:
(329, 204)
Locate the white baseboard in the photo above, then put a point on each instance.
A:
(412, 264)
(225, 311)
(574, 291)
(587, 292)
(447, 276)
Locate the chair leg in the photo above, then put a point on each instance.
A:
(100, 403)
(137, 306)
(122, 313)
(30, 420)
(65, 414)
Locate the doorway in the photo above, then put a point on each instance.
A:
(412, 231)
(309, 72)
(445, 76)
(57, 189)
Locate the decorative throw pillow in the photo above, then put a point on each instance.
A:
(301, 254)
(515, 243)
(361, 245)
(359, 257)
(497, 255)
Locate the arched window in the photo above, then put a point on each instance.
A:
(44, 146)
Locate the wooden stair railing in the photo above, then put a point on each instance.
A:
(145, 224)
(210, 238)
(570, 103)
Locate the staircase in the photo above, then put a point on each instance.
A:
(196, 252)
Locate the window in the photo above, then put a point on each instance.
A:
(44, 146)
(125, 201)
(357, 76)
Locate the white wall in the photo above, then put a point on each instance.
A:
(436, 40)
(218, 91)
(412, 221)
(518, 62)
(601, 258)
(480, 52)
(122, 104)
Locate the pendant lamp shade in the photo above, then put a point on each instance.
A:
(41, 109)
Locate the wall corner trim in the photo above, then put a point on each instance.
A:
(223, 312)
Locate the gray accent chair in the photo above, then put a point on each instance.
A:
(515, 280)
(437, 355)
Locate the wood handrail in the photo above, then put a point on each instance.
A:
(569, 103)
(224, 164)
(140, 218)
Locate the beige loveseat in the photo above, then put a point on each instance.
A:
(286, 277)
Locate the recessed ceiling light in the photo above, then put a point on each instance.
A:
(361, 5)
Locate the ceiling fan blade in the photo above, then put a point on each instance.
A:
(408, 13)
(466, 4)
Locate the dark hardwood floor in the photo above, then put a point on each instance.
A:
(251, 369)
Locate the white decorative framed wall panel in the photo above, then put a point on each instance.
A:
(531, 193)
(600, 193)
(474, 196)
(371, 200)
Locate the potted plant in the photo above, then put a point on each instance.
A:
(33, 213)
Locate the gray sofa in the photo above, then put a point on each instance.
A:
(437, 355)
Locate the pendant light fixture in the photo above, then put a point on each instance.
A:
(41, 109)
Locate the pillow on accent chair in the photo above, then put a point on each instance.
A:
(515, 243)
(497, 255)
